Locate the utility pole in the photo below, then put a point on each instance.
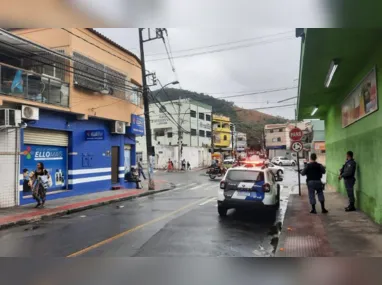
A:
(149, 147)
(179, 137)
(298, 160)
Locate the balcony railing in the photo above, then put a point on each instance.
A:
(33, 86)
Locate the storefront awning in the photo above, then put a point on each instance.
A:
(352, 47)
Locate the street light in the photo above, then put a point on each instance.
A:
(171, 83)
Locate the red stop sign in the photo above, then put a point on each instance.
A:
(296, 134)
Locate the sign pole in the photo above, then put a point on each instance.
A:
(298, 173)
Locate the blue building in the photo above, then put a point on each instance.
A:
(80, 121)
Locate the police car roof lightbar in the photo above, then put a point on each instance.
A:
(332, 69)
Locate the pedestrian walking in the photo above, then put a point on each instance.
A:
(183, 164)
(170, 165)
(140, 169)
(188, 165)
(44, 181)
(313, 172)
(347, 172)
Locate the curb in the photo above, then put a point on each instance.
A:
(24, 222)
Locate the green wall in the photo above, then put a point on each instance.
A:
(364, 138)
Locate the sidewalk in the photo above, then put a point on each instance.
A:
(338, 233)
(22, 215)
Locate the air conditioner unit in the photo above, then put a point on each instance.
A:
(10, 118)
(118, 127)
(30, 113)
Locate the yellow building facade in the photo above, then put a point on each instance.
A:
(221, 131)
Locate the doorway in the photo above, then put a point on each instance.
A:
(114, 164)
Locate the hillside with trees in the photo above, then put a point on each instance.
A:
(247, 121)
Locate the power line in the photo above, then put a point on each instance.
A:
(222, 44)
(259, 92)
(55, 53)
(83, 74)
(105, 50)
(165, 111)
(168, 97)
(222, 50)
(170, 57)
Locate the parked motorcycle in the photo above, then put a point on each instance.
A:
(214, 172)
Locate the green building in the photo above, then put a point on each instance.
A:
(339, 79)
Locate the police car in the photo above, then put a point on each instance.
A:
(248, 186)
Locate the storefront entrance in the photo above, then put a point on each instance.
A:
(51, 149)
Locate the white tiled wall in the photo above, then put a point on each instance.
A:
(8, 163)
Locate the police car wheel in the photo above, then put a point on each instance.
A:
(293, 163)
(279, 172)
(222, 211)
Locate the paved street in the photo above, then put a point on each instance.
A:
(180, 222)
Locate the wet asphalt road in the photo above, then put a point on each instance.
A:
(180, 222)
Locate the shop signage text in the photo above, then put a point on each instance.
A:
(96, 135)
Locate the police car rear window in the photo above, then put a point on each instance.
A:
(242, 175)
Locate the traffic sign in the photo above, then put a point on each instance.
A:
(296, 134)
(297, 146)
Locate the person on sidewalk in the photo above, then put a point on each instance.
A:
(133, 176)
(140, 169)
(347, 172)
(44, 179)
(188, 165)
(314, 171)
(38, 191)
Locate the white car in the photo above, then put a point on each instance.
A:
(277, 170)
(282, 160)
(248, 187)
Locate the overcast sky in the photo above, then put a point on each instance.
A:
(269, 60)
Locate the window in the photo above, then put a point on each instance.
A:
(271, 131)
(208, 118)
(208, 134)
(193, 113)
(159, 133)
(201, 116)
(225, 137)
(169, 134)
(202, 133)
(96, 76)
(193, 132)
(281, 130)
(241, 175)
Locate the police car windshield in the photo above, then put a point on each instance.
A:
(243, 175)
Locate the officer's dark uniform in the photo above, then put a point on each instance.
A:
(348, 174)
(314, 172)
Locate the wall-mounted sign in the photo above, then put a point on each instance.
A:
(362, 101)
(161, 120)
(205, 125)
(137, 126)
(54, 159)
(96, 135)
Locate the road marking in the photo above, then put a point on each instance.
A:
(78, 253)
(199, 186)
(208, 201)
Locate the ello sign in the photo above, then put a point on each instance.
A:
(296, 134)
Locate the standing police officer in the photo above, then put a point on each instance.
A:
(347, 172)
(314, 171)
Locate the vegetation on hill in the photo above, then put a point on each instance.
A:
(247, 121)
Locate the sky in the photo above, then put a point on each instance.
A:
(267, 59)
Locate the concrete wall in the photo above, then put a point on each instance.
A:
(364, 138)
(197, 156)
(9, 162)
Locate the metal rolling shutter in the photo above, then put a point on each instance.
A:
(45, 137)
